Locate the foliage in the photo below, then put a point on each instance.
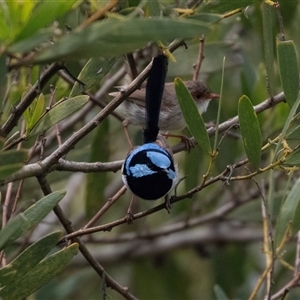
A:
(233, 229)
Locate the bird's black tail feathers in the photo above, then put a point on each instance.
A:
(154, 91)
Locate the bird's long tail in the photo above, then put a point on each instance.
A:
(154, 92)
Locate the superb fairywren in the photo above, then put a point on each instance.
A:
(171, 117)
(149, 171)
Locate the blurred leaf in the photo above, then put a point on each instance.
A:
(214, 54)
(93, 72)
(170, 280)
(34, 112)
(16, 14)
(293, 159)
(154, 9)
(11, 161)
(4, 29)
(44, 13)
(29, 218)
(289, 215)
(33, 41)
(193, 118)
(59, 112)
(233, 257)
(268, 38)
(206, 17)
(28, 259)
(288, 69)
(294, 134)
(97, 182)
(40, 275)
(113, 37)
(220, 294)
(250, 131)
(225, 6)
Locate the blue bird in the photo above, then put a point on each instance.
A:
(149, 171)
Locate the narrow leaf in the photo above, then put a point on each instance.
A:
(289, 215)
(11, 229)
(220, 294)
(59, 112)
(40, 275)
(293, 159)
(289, 71)
(192, 116)
(294, 134)
(250, 131)
(28, 259)
(225, 6)
(113, 37)
(268, 39)
(31, 42)
(93, 71)
(29, 218)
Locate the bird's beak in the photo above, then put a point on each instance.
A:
(213, 96)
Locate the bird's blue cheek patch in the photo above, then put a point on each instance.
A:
(159, 159)
(140, 170)
(171, 174)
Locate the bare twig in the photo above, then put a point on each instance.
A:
(84, 251)
(105, 207)
(217, 214)
(53, 162)
(200, 58)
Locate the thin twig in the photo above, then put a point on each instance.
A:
(99, 14)
(84, 251)
(105, 207)
(200, 58)
(219, 213)
(52, 162)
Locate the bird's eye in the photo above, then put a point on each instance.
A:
(198, 96)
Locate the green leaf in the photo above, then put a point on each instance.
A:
(293, 159)
(40, 275)
(33, 41)
(206, 17)
(29, 258)
(288, 69)
(225, 6)
(11, 161)
(154, 9)
(250, 131)
(16, 14)
(193, 118)
(268, 39)
(220, 294)
(43, 14)
(34, 112)
(97, 182)
(59, 112)
(12, 227)
(294, 134)
(112, 37)
(29, 218)
(93, 71)
(289, 215)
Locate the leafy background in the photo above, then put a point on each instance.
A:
(232, 230)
